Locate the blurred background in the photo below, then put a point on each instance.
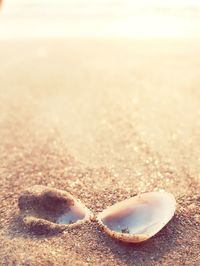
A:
(129, 18)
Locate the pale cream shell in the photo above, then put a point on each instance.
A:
(163, 206)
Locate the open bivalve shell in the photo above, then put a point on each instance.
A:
(45, 209)
(138, 218)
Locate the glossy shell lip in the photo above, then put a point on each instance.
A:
(138, 218)
(45, 209)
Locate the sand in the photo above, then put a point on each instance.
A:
(103, 120)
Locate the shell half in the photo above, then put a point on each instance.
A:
(138, 218)
(45, 209)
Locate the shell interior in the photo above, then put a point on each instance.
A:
(72, 215)
(52, 205)
(141, 215)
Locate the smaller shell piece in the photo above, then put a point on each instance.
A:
(44, 209)
(137, 219)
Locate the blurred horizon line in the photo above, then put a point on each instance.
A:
(95, 18)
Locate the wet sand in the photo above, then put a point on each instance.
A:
(104, 120)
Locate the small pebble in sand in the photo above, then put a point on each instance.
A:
(138, 218)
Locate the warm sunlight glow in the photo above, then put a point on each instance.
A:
(129, 18)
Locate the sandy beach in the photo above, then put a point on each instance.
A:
(103, 119)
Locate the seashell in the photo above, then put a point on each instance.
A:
(45, 209)
(138, 218)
